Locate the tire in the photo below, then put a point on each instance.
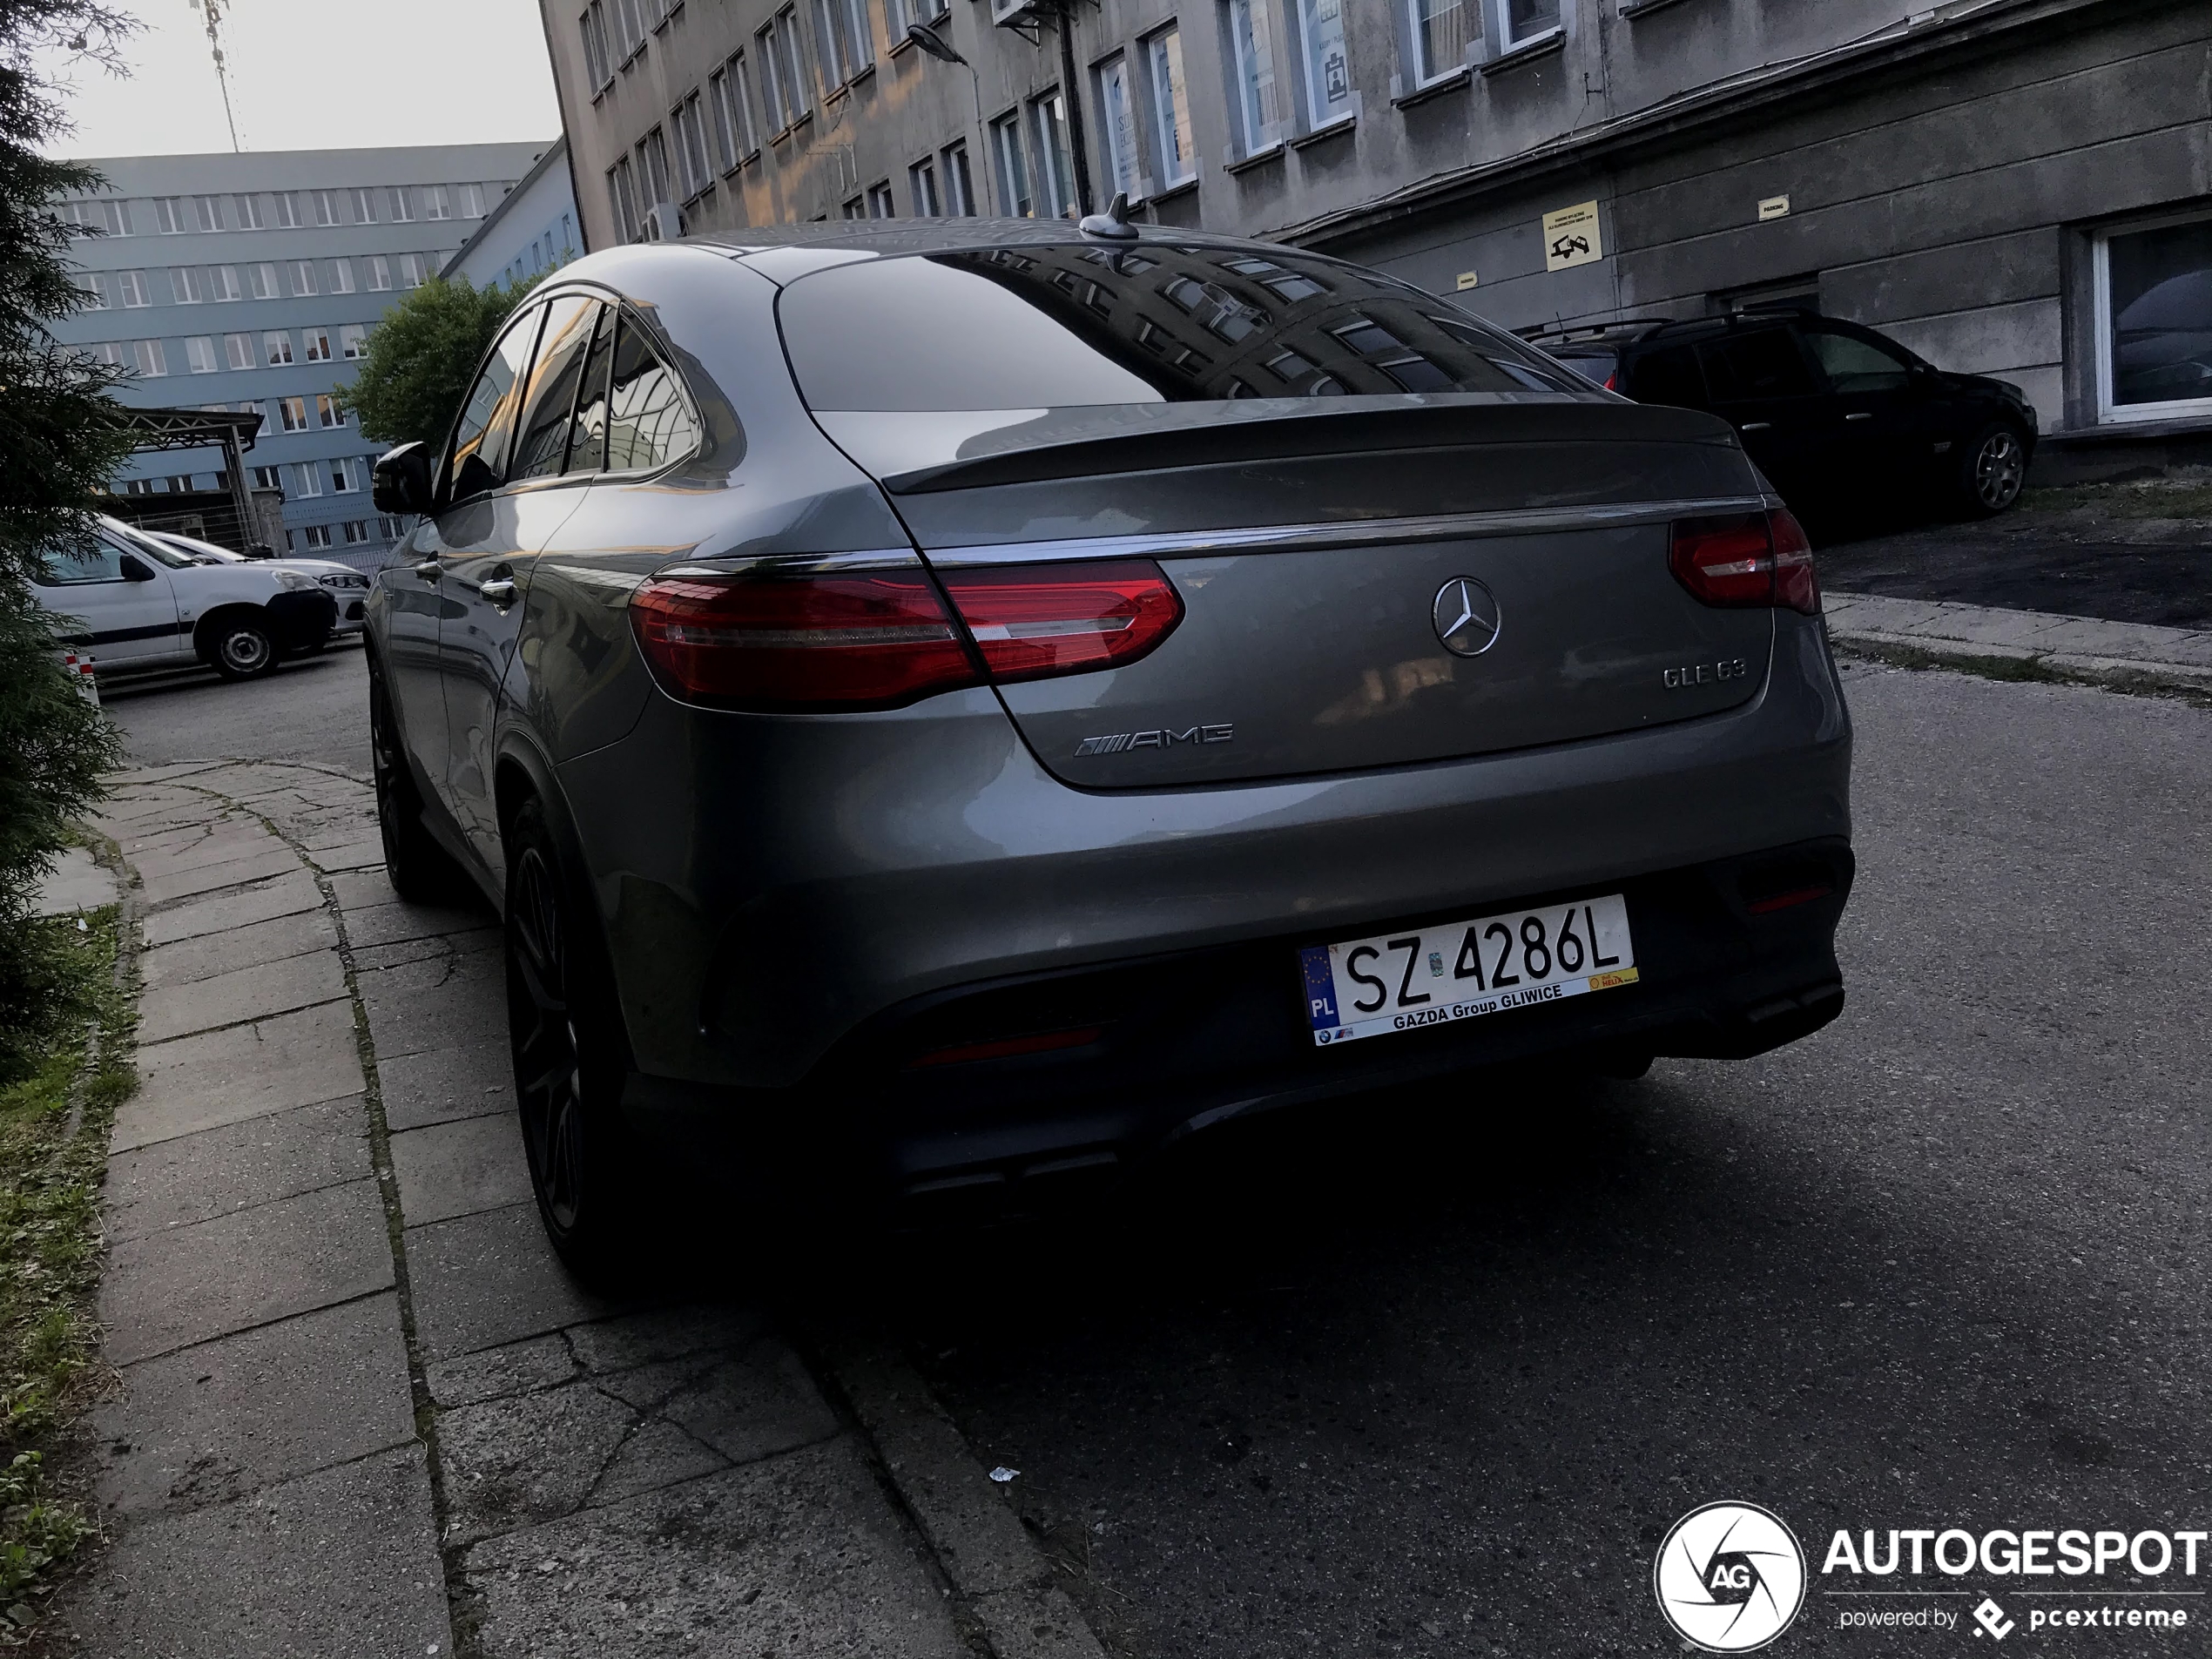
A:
(241, 648)
(420, 871)
(1993, 470)
(569, 1061)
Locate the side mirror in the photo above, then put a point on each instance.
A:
(134, 570)
(400, 483)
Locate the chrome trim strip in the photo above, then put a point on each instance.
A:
(775, 565)
(1278, 538)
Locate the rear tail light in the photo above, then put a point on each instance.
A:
(1756, 559)
(860, 639)
(882, 638)
(1613, 381)
(1038, 620)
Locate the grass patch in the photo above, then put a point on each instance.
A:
(67, 1078)
(2020, 670)
(2187, 495)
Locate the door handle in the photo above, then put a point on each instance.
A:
(429, 570)
(1864, 414)
(1758, 426)
(499, 591)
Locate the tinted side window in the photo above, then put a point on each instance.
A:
(542, 447)
(1856, 365)
(588, 441)
(1758, 363)
(480, 442)
(94, 559)
(1668, 376)
(648, 423)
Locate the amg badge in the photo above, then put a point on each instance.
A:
(1163, 739)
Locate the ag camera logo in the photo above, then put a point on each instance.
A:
(1729, 1577)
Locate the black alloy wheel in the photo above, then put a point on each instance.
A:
(1994, 472)
(419, 870)
(567, 1070)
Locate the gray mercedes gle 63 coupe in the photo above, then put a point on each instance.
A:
(969, 703)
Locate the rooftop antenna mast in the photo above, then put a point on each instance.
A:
(213, 9)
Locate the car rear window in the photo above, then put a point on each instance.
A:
(1051, 327)
(1593, 363)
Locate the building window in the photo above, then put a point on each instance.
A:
(261, 279)
(2154, 312)
(921, 180)
(364, 207)
(246, 212)
(471, 200)
(1528, 20)
(109, 352)
(316, 344)
(689, 119)
(303, 276)
(841, 38)
(238, 351)
(387, 528)
(1056, 172)
(1172, 107)
(353, 341)
(287, 209)
(326, 205)
(276, 349)
(184, 285)
(356, 531)
(881, 206)
(199, 353)
(207, 213)
(782, 81)
(435, 203)
(1328, 66)
(341, 477)
(1117, 127)
(379, 273)
(960, 183)
(93, 287)
(341, 276)
(146, 356)
(652, 167)
(1251, 50)
(1014, 174)
(856, 208)
(733, 113)
(327, 414)
(1442, 36)
(400, 202)
(222, 283)
(131, 285)
(317, 537)
(113, 218)
(623, 198)
(310, 477)
(415, 270)
(592, 25)
(169, 214)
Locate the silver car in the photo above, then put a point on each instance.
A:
(970, 702)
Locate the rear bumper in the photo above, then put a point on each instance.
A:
(1156, 1047)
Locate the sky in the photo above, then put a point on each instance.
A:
(317, 74)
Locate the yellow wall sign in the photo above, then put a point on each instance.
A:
(1466, 280)
(1571, 237)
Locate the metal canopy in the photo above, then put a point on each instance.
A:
(230, 430)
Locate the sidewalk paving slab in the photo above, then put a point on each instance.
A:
(285, 896)
(193, 1284)
(223, 844)
(211, 1422)
(196, 1178)
(427, 1004)
(442, 1085)
(393, 923)
(217, 1077)
(483, 1280)
(276, 858)
(797, 1556)
(336, 1564)
(459, 1168)
(429, 946)
(72, 883)
(259, 992)
(208, 955)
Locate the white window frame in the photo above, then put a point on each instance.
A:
(733, 112)
(379, 273)
(960, 179)
(184, 285)
(222, 284)
(921, 184)
(402, 206)
(437, 202)
(472, 200)
(325, 206)
(353, 341)
(1166, 78)
(238, 351)
(1009, 165)
(689, 119)
(364, 206)
(207, 213)
(341, 276)
(1317, 119)
(93, 287)
(310, 337)
(1118, 126)
(791, 66)
(303, 277)
(328, 416)
(287, 209)
(2109, 413)
(261, 281)
(276, 348)
(1500, 12)
(591, 23)
(1060, 194)
(248, 211)
(1249, 27)
(169, 215)
(130, 287)
(882, 203)
(148, 358)
(200, 355)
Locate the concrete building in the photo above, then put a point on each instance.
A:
(2018, 187)
(252, 282)
(533, 229)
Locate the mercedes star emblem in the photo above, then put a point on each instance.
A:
(1467, 617)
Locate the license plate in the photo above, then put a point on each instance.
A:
(1461, 970)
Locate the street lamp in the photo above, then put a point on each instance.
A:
(941, 49)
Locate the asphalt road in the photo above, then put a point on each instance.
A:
(1431, 1376)
(314, 708)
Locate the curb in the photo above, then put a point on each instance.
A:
(995, 1567)
(2024, 662)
